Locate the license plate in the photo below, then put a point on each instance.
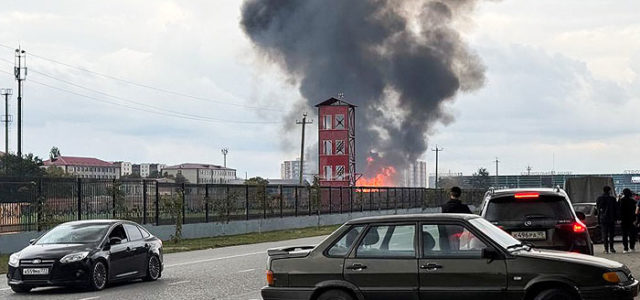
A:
(35, 271)
(530, 235)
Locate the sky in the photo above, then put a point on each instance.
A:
(175, 81)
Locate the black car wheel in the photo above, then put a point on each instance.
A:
(335, 295)
(99, 275)
(554, 294)
(20, 289)
(153, 268)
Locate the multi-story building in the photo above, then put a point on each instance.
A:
(85, 167)
(290, 169)
(125, 167)
(201, 173)
(336, 143)
(415, 175)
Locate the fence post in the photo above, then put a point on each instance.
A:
(144, 201)
(40, 205)
(113, 199)
(331, 201)
(184, 203)
(309, 200)
(264, 202)
(350, 200)
(206, 203)
(246, 201)
(388, 197)
(370, 199)
(340, 200)
(281, 200)
(395, 199)
(79, 186)
(295, 213)
(157, 204)
(227, 203)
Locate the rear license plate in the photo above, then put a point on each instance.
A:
(530, 235)
(35, 271)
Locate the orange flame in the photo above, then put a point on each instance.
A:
(383, 178)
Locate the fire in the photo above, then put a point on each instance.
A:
(383, 178)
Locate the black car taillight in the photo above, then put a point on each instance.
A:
(270, 279)
(575, 227)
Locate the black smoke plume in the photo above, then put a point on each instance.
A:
(399, 61)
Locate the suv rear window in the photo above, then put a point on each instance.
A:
(512, 209)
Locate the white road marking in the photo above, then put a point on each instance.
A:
(90, 298)
(247, 270)
(180, 282)
(213, 259)
(4, 289)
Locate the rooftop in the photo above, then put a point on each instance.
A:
(77, 161)
(196, 166)
(334, 101)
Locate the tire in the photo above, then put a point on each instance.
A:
(153, 269)
(20, 289)
(554, 294)
(335, 295)
(99, 276)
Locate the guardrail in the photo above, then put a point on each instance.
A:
(40, 203)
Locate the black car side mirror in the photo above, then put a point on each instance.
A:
(115, 240)
(490, 253)
(581, 216)
(32, 241)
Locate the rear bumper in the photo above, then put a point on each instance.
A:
(626, 292)
(277, 293)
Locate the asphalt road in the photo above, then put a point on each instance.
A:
(233, 273)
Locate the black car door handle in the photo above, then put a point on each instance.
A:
(357, 267)
(431, 267)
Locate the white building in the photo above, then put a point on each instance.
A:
(290, 169)
(125, 167)
(415, 175)
(202, 173)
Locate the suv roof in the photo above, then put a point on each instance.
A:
(542, 191)
(412, 217)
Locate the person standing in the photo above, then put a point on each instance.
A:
(628, 217)
(454, 205)
(607, 216)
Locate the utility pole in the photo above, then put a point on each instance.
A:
(303, 123)
(20, 71)
(497, 162)
(6, 118)
(437, 150)
(225, 151)
(528, 170)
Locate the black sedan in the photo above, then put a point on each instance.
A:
(87, 253)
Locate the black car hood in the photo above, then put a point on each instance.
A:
(571, 257)
(55, 251)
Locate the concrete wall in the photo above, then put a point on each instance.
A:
(10, 243)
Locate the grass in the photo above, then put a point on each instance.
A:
(225, 241)
(244, 239)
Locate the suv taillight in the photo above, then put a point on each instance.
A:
(579, 227)
(270, 280)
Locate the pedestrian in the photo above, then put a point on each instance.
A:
(454, 205)
(607, 217)
(628, 217)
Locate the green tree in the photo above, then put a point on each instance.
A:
(54, 153)
(180, 179)
(172, 205)
(261, 190)
(27, 166)
(480, 179)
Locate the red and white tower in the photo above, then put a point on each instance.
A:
(336, 143)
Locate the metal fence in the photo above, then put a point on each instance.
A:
(40, 203)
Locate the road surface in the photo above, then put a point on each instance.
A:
(232, 273)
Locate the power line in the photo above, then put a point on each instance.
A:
(169, 114)
(175, 93)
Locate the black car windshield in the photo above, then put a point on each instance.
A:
(74, 234)
(498, 235)
(543, 207)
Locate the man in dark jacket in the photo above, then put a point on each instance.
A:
(628, 216)
(607, 216)
(454, 205)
